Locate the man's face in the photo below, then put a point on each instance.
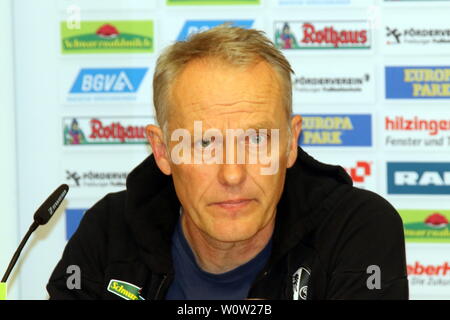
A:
(229, 202)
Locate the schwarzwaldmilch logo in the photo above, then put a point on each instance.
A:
(107, 31)
(121, 36)
(426, 226)
(436, 220)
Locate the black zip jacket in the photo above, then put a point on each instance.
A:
(331, 240)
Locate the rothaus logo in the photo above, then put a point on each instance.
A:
(194, 26)
(418, 177)
(297, 35)
(108, 80)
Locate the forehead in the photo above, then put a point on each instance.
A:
(215, 91)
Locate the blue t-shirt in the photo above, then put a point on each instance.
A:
(192, 283)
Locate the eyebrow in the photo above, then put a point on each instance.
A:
(265, 124)
(261, 125)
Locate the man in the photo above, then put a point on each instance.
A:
(228, 206)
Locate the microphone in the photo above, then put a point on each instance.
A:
(41, 217)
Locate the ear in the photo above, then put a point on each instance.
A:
(156, 139)
(296, 128)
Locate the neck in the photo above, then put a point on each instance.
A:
(215, 256)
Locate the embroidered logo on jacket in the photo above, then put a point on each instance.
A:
(300, 280)
(124, 290)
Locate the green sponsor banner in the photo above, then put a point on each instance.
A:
(130, 36)
(124, 289)
(2, 291)
(210, 2)
(426, 225)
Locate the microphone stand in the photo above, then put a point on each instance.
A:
(16, 255)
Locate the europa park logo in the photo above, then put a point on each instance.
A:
(134, 36)
(426, 225)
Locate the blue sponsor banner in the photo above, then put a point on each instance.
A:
(418, 177)
(336, 130)
(73, 218)
(417, 82)
(195, 26)
(108, 80)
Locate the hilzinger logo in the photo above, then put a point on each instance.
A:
(432, 126)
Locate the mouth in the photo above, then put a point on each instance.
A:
(234, 204)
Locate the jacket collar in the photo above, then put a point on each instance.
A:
(152, 207)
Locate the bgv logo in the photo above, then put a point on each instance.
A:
(108, 80)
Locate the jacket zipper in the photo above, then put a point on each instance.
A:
(160, 286)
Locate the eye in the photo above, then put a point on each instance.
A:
(204, 143)
(258, 138)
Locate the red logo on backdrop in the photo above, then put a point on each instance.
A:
(329, 35)
(360, 171)
(107, 31)
(116, 131)
(436, 220)
(419, 269)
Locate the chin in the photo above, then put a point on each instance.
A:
(234, 231)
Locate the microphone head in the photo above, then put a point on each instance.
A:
(49, 207)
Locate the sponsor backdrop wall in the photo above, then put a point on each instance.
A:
(372, 82)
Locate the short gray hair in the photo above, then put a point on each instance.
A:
(236, 46)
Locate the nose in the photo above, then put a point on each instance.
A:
(232, 174)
